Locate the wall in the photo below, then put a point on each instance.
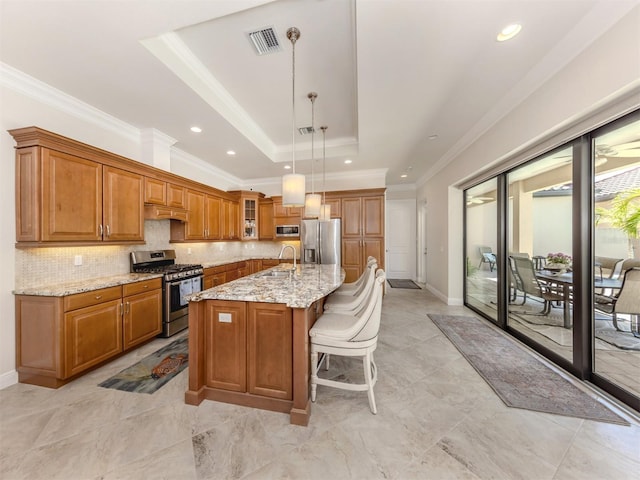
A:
(600, 83)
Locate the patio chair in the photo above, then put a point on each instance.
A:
(532, 286)
(607, 267)
(515, 282)
(626, 302)
(487, 256)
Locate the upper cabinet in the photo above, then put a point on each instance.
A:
(266, 229)
(249, 214)
(67, 198)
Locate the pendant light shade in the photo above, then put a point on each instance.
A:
(325, 213)
(312, 200)
(293, 185)
(293, 188)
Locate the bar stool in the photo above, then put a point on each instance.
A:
(352, 288)
(351, 336)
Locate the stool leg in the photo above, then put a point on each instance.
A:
(314, 374)
(369, 380)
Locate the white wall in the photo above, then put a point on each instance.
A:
(590, 87)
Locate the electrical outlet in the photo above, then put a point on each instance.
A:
(188, 251)
(77, 261)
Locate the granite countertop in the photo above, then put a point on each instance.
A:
(81, 286)
(310, 283)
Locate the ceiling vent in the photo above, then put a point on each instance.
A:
(265, 41)
(305, 130)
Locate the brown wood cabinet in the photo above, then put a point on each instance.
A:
(63, 197)
(225, 328)
(175, 196)
(266, 229)
(362, 231)
(214, 276)
(248, 348)
(59, 338)
(155, 191)
(269, 353)
(286, 215)
(142, 315)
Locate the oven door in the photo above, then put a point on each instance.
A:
(178, 296)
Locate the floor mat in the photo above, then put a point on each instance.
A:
(403, 283)
(518, 377)
(153, 371)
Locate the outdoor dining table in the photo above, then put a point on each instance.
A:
(566, 280)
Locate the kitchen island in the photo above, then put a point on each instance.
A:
(249, 338)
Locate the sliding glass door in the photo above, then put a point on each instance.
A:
(539, 248)
(616, 190)
(481, 279)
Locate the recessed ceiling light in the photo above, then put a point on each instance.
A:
(287, 167)
(433, 137)
(230, 152)
(347, 161)
(509, 32)
(196, 129)
(404, 175)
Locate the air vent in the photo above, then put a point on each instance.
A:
(265, 41)
(306, 130)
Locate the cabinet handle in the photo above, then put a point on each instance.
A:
(145, 286)
(100, 229)
(108, 231)
(98, 297)
(128, 307)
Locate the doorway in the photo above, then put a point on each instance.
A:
(400, 237)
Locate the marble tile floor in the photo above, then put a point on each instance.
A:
(437, 419)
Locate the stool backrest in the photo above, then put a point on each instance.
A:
(369, 324)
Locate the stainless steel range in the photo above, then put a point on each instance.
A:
(178, 282)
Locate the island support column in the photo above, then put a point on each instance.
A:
(303, 320)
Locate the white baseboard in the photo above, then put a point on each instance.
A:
(8, 379)
(449, 301)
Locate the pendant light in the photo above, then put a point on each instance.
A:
(312, 200)
(325, 210)
(293, 184)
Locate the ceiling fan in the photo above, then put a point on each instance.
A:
(471, 200)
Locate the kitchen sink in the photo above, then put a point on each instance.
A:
(276, 274)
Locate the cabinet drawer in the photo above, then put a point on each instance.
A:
(140, 287)
(215, 270)
(94, 297)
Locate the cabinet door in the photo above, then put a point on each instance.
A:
(373, 247)
(195, 226)
(71, 198)
(234, 221)
(225, 336)
(142, 317)
(334, 203)
(269, 340)
(351, 217)
(92, 335)
(352, 258)
(213, 214)
(155, 191)
(265, 221)
(123, 208)
(373, 218)
(175, 196)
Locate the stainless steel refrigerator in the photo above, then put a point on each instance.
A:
(320, 241)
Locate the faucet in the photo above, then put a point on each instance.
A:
(293, 249)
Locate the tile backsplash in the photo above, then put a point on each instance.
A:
(45, 266)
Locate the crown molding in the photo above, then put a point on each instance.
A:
(198, 163)
(31, 87)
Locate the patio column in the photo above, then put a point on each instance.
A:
(522, 235)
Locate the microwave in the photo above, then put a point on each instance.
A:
(287, 230)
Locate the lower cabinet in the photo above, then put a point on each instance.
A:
(248, 348)
(58, 338)
(142, 315)
(355, 252)
(92, 335)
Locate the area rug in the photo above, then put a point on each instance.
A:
(403, 283)
(153, 371)
(517, 377)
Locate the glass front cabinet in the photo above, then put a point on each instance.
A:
(249, 202)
